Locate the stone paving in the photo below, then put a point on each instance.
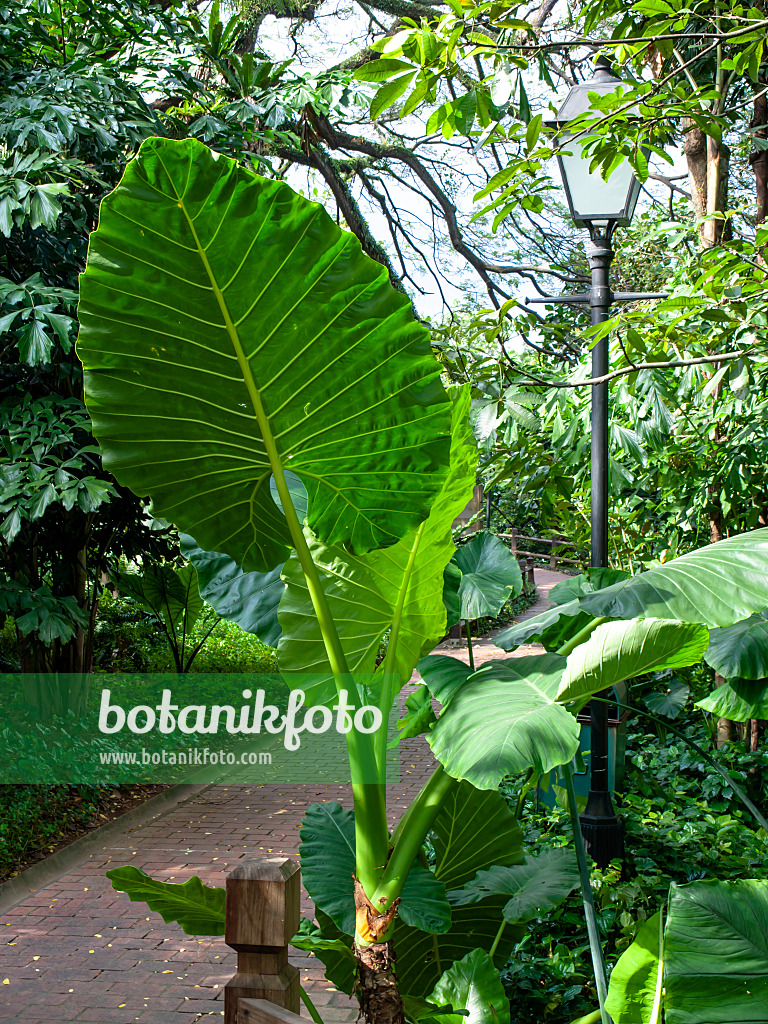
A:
(78, 951)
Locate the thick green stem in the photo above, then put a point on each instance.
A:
(390, 682)
(591, 1018)
(370, 802)
(582, 635)
(420, 817)
(596, 950)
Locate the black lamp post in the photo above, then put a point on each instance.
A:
(599, 206)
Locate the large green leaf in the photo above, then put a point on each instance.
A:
(249, 599)
(634, 992)
(718, 585)
(474, 830)
(616, 651)
(422, 957)
(444, 675)
(740, 651)
(229, 329)
(536, 886)
(739, 700)
(398, 588)
(504, 720)
(198, 908)
(550, 628)
(489, 575)
(332, 947)
(556, 625)
(716, 953)
(171, 594)
(578, 586)
(328, 866)
(473, 984)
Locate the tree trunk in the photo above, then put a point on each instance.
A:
(708, 169)
(695, 149)
(758, 158)
(753, 736)
(377, 987)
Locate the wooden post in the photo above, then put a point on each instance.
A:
(259, 1011)
(552, 555)
(529, 571)
(261, 919)
(513, 541)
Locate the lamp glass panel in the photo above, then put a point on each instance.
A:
(592, 198)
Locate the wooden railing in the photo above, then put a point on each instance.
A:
(552, 557)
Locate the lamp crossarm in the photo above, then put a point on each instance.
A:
(586, 298)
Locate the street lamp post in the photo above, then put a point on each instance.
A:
(599, 206)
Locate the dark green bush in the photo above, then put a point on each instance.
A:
(35, 819)
(681, 822)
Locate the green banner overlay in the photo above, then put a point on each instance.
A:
(115, 729)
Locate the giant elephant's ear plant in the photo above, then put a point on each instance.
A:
(248, 367)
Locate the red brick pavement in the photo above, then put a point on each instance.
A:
(78, 951)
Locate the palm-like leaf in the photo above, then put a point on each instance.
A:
(230, 331)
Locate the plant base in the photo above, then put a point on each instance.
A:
(377, 989)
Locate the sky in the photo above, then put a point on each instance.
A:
(338, 31)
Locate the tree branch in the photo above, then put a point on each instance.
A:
(591, 381)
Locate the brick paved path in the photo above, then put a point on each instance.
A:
(78, 951)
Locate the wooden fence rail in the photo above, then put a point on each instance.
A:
(554, 543)
(260, 1011)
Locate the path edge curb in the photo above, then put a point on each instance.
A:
(15, 890)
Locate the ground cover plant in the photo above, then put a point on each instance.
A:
(346, 465)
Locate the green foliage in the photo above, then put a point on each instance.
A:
(45, 461)
(490, 574)
(472, 983)
(680, 823)
(69, 118)
(738, 700)
(197, 908)
(740, 651)
(395, 591)
(617, 651)
(225, 288)
(715, 941)
(172, 597)
(127, 640)
(634, 993)
(535, 887)
(358, 422)
(504, 720)
(473, 831)
(35, 819)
